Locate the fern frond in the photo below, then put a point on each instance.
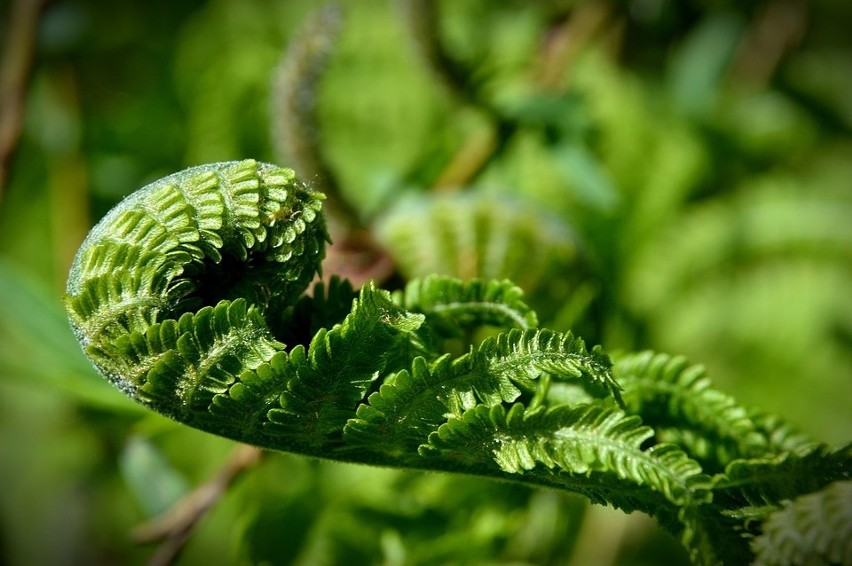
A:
(168, 249)
(177, 366)
(780, 435)
(397, 418)
(451, 304)
(324, 382)
(598, 452)
(766, 481)
(574, 446)
(356, 347)
(474, 235)
(524, 355)
(182, 294)
(412, 404)
(678, 400)
(811, 529)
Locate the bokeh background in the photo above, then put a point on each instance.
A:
(672, 175)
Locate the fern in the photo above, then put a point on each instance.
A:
(594, 451)
(452, 305)
(189, 298)
(581, 441)
(413, 404)
(325, 383)
(479, 235)
(811, 529)
(678, 399)
(766, 481)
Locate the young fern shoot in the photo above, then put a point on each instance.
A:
(189, 296)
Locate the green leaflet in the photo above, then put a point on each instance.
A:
(679, 401)
(577, 444)
(177, 366)
(588, 449)
(766, 481)
(561, 355)
(413, 403)
(301, 400)
(326, 384)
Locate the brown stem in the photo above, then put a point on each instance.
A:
(565, 41)
(174, 527)
(775, 31)
(14, 74)
(357, 256)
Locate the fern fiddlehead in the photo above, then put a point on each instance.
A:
(190, 297)
(243, 231)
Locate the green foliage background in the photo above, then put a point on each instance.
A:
(675, 187)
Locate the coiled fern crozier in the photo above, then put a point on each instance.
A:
(190, 297)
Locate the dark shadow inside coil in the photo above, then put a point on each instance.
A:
(229, 279)
(262, 283)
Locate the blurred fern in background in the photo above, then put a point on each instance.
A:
(654, 174)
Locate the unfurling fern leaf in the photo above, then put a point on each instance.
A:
(480, 235)
(188, 297)
(216, 232)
